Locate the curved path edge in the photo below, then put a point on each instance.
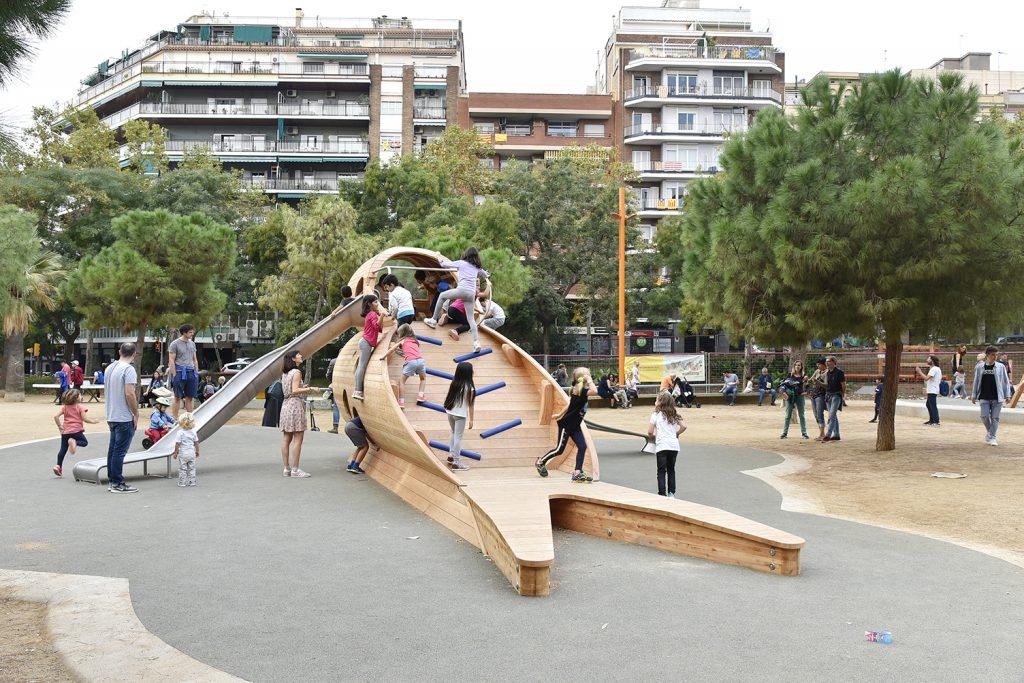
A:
(96, 632)
(796, 498)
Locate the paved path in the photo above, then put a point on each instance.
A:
(275, 579)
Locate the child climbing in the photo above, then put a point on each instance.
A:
(356, 433)
(459, 407)
(569, 426)
(70, 421)
(470, 268)
(186, 449)
(400, 305)
(665, 428)
(372, 313)
(414, 363)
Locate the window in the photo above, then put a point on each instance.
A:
(227, 142)
(562, 129)
(227, 67)
(391, 72)
(312, 67)
(259, 143)
(646, 232)
(729, 118)
(642, 159)
(680, 120)
(729, 82)
(487, 163)
(680, 158)
(390, 107)
(484, 128)
(517, 130)
(761, 89)
(310, 141)
(674, 191)
(681, 84)
(641, 86)
(593, 130)
(351, 69)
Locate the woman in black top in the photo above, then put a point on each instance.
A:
(570, 426)
(793, 394)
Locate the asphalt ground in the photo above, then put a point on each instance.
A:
(333, 577)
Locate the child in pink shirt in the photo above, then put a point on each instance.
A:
(70, 420)
(372, 313)
(414, 363)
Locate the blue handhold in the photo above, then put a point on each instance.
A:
(501, 428)
(489, 388)
(432, 406)
(430, 340)
(471, 356)
(438, 373)
(472, 455)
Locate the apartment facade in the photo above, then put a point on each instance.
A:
(683, 78)
(298, 104)
(534, 126)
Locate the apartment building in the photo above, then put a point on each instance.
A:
(682, 78)
(298, 104)
(997, 89)
(534, 126)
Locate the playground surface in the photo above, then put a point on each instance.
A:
(334, 577)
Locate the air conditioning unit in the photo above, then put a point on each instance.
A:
(291, 93)
(291, 130)
(332, 93)
(252, 328)
(218, 337)
(266, 328)
(232, 337)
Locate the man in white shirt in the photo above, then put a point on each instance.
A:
(122, 415)
(932, 380)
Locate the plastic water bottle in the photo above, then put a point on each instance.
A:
(878, 637)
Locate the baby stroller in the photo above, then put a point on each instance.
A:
(685, 396)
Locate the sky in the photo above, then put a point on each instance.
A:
(553, 45)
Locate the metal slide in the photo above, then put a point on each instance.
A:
(236, 393)
(648, 447)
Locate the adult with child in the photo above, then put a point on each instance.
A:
(765, 386)
(293, 414)
(400, 306)
(156, 381)
(792, 390)
(835, 393)
(569, 423)
(992, 389)
(414, 365)
(122, 412)
(470, 268)
(684, 393)
(372, 326)
(959, 356)
(70, 420)
(816, 387)
(183, 368)
(664, 429)
(730, 385)
(932, 379)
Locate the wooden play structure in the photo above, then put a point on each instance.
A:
(501, 505)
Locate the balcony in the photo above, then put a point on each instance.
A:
(651, 55)
(431, 72)
(657, 206)
(537, 138)
(257, 146)
(339, 110)
(305, 185)
(676, 169)
(703, 91)
(669, 132)
(428, 113)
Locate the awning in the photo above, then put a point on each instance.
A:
(432, 86)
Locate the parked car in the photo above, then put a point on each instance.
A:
(1010, 339)
(234, 367)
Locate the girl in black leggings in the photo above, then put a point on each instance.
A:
(570, 426)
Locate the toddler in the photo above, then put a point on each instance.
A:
(186, 445)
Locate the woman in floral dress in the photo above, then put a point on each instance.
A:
(293, 414)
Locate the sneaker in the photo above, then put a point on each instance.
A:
(783, 436)
(182, 485)
(123, 488)
(401, 403)
(872, 421)
(287, 472)
(358, 395)
(421, 396)
(476, 347)
(582, 477)
(825, 439)
(58, 470)
(358, 470)
(333, 430)
(430, 322)
(929, 423)
(299, 474)
(993, 443)
(542, 470)
(459, 466)
(454, 335)
(671, 495)
(805, 436)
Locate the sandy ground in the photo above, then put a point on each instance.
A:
(850, 480)
(846, 479)
(25, 650)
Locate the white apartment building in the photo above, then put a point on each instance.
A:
(682, 78)
(298, 104)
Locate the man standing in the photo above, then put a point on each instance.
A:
(764, 386)
(835, 391)
(183, 363)
(991, 387)
(932, 379)
(77, 375)
(122, 415)
(731, 384)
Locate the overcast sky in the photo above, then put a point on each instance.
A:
(552, 45)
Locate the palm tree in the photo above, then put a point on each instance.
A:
(37, 288)
(21, 21)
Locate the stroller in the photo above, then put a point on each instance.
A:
(685, 396)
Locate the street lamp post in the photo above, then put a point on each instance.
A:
(622, 217)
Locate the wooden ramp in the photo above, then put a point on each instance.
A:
(501, 505)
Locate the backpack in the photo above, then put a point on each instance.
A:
(276, 391)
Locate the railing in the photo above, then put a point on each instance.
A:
(304, 185)
(705, 90)
(348, 146)
(657, 204)
(419, 112)
(207, 109)
(708, 166)
(431, 72)
(702, 128)
(369, 41)
(257, 67)
(733, 52)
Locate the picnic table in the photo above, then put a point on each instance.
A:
(90, 389)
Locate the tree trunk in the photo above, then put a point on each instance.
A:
(165, 354)
(885, 439)
(746, 361)
(140, 345)
(14, 352)
(546, 337)
(89, 353)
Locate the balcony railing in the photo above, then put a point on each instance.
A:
(431, 72)
(317, 69)
(419, 112)
(352, 146)
(368, 41)
(705, 90)
(695, 51)
(706, 165)
(353, 109)
(658, 204)
(697, 129)
(303, 185)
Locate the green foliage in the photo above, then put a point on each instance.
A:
(19, 248)
(455, 158)
(147, 147)
(392, 194)
(20, 23)
(73, 138)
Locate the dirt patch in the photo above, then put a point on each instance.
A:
(26, 653)
(849, 479)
